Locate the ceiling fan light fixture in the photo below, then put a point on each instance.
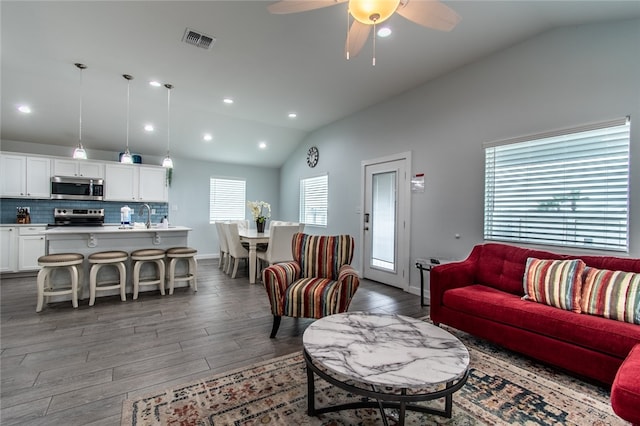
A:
(371, 12)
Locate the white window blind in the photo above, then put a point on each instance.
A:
(314, 195)
(569, 188)
(227, 199)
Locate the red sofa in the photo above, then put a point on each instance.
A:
(482, 295)
(625, 392)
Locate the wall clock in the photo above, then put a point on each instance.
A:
(312, 156)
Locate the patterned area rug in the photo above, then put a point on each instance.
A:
(503, 389)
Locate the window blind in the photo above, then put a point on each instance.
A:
(227, 200)
(314, 195)
(569, 189)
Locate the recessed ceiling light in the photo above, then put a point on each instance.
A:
(228, 101)
(292, 115)
(148, 127)
(262, 145)
(207, 137)
(24, 109)
(155, 83)
(384, 32)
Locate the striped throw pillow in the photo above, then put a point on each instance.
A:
(612, 294)
(554, 282)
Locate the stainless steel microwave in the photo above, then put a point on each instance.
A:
(76, 188)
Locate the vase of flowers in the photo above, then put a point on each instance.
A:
(261, 211)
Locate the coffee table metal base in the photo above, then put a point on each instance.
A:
(401, 402)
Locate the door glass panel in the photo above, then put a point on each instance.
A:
(383, 226)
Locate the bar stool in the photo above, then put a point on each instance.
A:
(52, 262)
(107, 258)
(139, 257)
(174, 254)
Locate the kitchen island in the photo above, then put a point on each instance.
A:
(91, 239)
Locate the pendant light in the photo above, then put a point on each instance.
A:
(126, 158)
(79, 153)
(168, 162)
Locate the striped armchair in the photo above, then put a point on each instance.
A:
(318, 282)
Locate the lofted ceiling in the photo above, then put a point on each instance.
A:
(270, 65)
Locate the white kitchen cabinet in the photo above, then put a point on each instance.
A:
(31, 245)
(152, 184)
(64, 167)
(25, 177)
(20, 247)
(8, 249)
(135, 183)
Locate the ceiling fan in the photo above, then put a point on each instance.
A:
(368, 13)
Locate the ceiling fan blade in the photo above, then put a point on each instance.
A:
(357, 37)
(293, 6)
(429, 13)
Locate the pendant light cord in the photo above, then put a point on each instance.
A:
(81, 67)
(169, 87)
(80, 120)
(128, 77)
(373, 63)
(348, 46)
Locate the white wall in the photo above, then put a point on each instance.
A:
(563, 78)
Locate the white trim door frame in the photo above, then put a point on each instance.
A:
(393, 268)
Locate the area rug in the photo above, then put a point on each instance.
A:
(503, 389)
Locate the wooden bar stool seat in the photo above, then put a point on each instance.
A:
(51, 263)
(139, 257)
(115, 259)
(175, 254)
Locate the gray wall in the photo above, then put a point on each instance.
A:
(189, 194)
(563, 78)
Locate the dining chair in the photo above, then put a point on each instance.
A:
(222, 242)
(279, 246)
(236, 250)
(282, 222)
(243, 225)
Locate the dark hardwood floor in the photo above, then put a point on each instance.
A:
(68, 366)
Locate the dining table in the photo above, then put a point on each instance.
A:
(253, 237)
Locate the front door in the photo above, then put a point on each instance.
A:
(385, 221)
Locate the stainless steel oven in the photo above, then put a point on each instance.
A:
(76, 188)
(77, 217)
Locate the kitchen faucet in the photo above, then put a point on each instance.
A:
(148, 223)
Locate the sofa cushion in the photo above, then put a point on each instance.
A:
(604, 335)
(612, 294)
(554, 282)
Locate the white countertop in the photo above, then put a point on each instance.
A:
(12, 225)
(109, 229)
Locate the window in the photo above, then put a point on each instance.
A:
(568, 188)
(314, 194)
(227, 199)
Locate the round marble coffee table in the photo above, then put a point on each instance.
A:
(392, 359)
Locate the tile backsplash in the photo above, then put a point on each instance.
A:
(41, 211)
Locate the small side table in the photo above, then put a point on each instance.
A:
(428, 265)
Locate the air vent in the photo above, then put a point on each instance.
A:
(198, 39)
